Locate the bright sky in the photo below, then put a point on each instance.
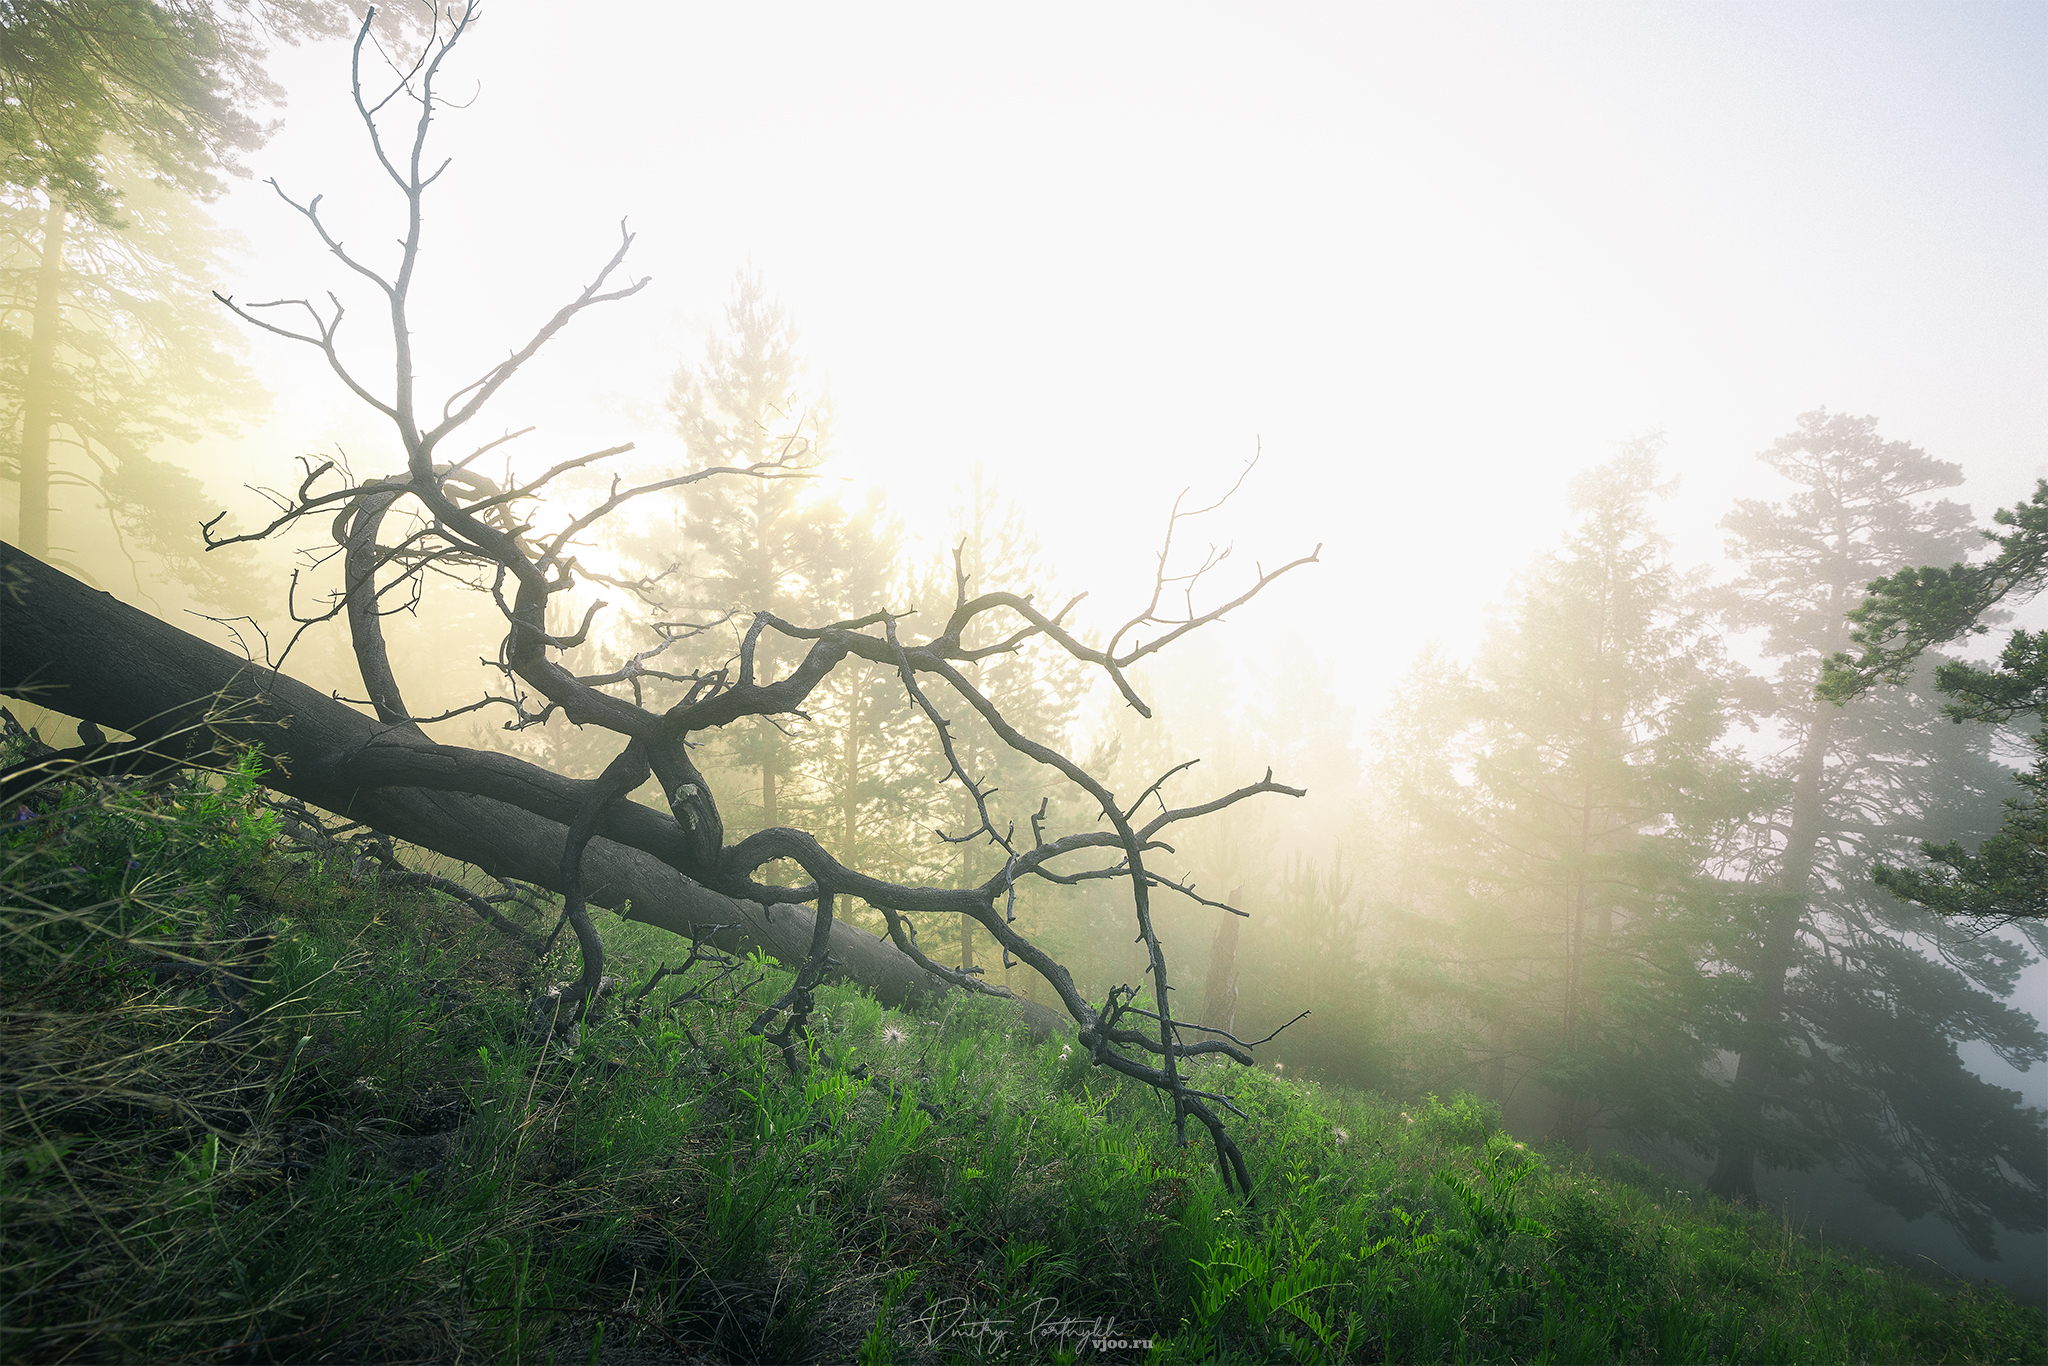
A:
(1431, 259)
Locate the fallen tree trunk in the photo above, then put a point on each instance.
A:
(81, 652)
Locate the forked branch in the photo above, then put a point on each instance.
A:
(490, 535)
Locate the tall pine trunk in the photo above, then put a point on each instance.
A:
(1573, 1119)
(1571, 1107)
(1734, 1176)
(39, 389)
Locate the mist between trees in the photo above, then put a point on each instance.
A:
(1614, 871)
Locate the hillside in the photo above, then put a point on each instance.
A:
(262, 1104)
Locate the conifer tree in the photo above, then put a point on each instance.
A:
(1440, 1034)
(1571, 796)
(2004, 881)
(117, 119)
(1846, 1032)
(1307, 893)
(1305, 949)
(994, 544)
(781, 545)
(169, 82)
(862, 767)
(110, 345)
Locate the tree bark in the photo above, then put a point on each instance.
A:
(85, 654)
(39, 387)
(1734, 1175)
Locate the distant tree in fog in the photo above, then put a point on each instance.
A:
(776, 545)
(1040, 689)
(1845, 1031)
(116, 122)
(854, 766)
(1569, 785)
(109, 345)
(1311, 879)
(1308, 949)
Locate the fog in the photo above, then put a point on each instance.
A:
(1427, 266)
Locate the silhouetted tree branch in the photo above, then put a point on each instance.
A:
(503, 542)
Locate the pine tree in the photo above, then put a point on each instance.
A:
(167, 80)
(779, 545)
(864, 762)
(1305, 949)
(2004, 881)
(1441, 1035)
(117, 117)
(106, 352)
(1037, 688)
(1589, 730)
(1297, 875)
(1846, 1032)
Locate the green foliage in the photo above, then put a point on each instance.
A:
(1563, 795)
(876, 1347)
(161, 77)
(1489, 1210)
(404, 1173)
(1907, 613)
(102, 873)
(1914, 609)
(129, 353)
(1255, 1282)
(1465, 1122)
(1847, 1030)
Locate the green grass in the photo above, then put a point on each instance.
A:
(380, 1164)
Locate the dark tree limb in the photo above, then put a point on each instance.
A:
(83, 653)
(464, 523)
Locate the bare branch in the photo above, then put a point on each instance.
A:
(322, 338)
(594, 293)
(493, 537)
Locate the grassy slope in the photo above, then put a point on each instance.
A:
(383, 1165)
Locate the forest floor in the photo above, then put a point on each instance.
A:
(258, 1106)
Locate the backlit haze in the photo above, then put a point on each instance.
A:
(1427, 261)
(1430, 262)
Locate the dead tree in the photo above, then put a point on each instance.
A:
(442, 516)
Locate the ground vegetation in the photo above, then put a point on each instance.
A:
(273, 1096)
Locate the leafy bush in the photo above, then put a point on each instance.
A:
(1464, 1122)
